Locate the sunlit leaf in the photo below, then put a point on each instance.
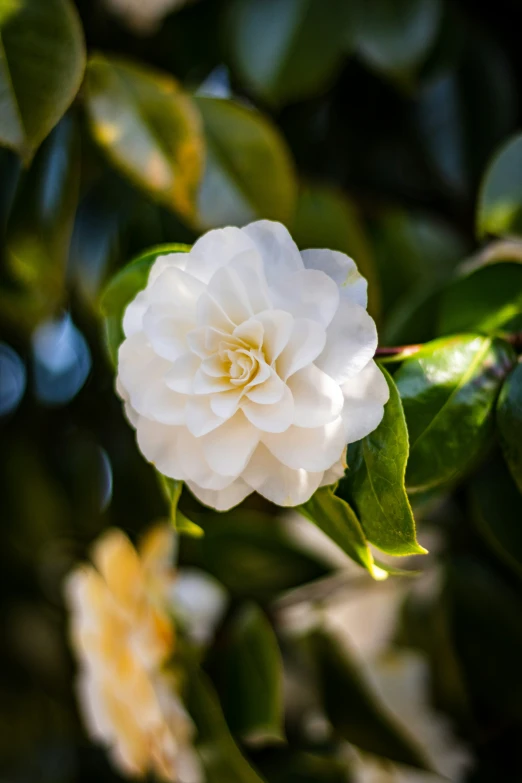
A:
(221, 758)
(509, 419)
(500, 201)
(375, 482)
(249, 173)
(123, 287)
(483, 301)
(253, 678)
(338, 521)
(325, 217)
(288, 49)
(148, 127)
(449, 390)
(355, 710)
(42, 60)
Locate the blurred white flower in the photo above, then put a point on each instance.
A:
(144, 16)
(124, 637)
(248, 365)
(200, 602)
(401, 679)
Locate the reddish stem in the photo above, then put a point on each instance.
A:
(514, 339)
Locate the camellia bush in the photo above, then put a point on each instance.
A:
(261, 391)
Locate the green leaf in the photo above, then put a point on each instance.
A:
(172, 489)
(325, 217)
(39, 228)
(500, 200)
(482, 608)
(42, 60)
(484, 301)
(396, 37)
(375, 482)
(249, 173)
(337, 520)
(497, 511)
(448, 391)
(149, 129)
(122, 289)
(288, 49)
(221, 758)
(509, 420)
(355, 710)
(257, 560)
(253, 682)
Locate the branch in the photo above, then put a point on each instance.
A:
(396, 353)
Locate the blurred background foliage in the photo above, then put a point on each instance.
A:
(387, 130)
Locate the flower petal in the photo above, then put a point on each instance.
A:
(227, 290)
(250, 332)
(277, 482)
(224, 499)
(318, 399)
(216, 249)
(209, 313)
(351, 341)
(134, 312)
(335, 473)
(167, 331)
(228, 448)
(305, 344)
(342, 269)
(204, 383)
(308, 294)
(268, 392)
(176, 288)
(314, 449)
(277, 327)
(365, 396)
(249, 268)
(170, 260)
(180, 376)
(159, 444)
(275, 417)
(276, 247)
(225, 404)
(200, 417)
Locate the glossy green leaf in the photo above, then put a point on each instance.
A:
(497, 511)
(338, 521)
(375, 482)
(257, 560)
(355, 710)
(42, 60)
(483, 301)
(449, 390)
(396, 37)
(249, 173)
(509, 419)
(288, 49)
(253, 687)
(482, 608)
(149, 129)
(221, 758)
(500, 201)
(123, 287)
(325, 217)
(39, 228)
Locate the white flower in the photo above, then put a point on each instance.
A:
(143, 16)
(247, 365)
(123, 635)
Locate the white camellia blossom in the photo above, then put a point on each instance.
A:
(248, 365)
